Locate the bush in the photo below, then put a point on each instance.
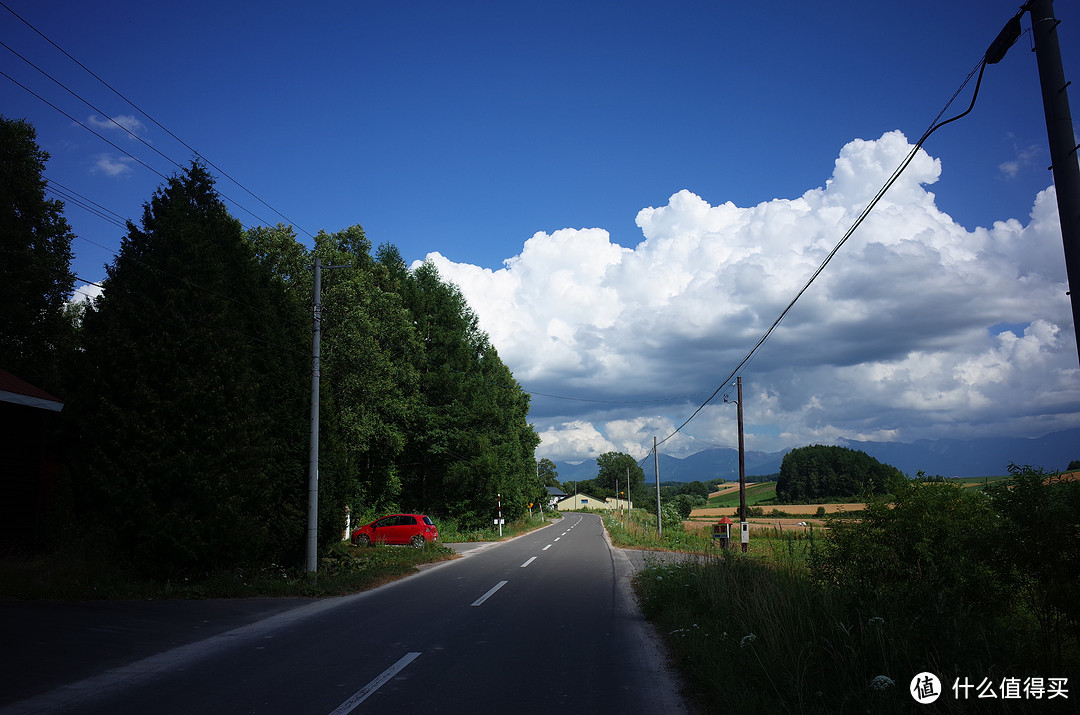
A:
(1038, 540)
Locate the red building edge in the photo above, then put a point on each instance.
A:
(28, 459)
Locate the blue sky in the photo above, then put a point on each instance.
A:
(522, 142)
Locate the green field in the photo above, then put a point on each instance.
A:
(764, 491)
(755, 494)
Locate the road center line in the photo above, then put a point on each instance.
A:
(362, 694)
(490, 593)
(557, 538)
(546, 547)
(528, 562)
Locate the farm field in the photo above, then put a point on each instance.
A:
(727, 489)
(755, 492)
(757, 524)
(808, 509)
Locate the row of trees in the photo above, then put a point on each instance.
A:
(187, 381)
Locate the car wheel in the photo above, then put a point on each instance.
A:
(417, 541)
(362, 540)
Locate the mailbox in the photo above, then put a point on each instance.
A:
(722, 530)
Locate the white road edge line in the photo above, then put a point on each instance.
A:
(362, 694)
(528, 562)
(490, 593)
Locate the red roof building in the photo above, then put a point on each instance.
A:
(28, 457)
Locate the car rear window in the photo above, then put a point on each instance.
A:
(428, 521)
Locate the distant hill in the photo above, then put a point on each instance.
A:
(719, 463)
(947, 457)
(976, 457)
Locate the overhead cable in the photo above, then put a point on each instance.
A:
(155, 122)
(935, 125)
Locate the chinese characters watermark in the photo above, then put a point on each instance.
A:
(925, 688)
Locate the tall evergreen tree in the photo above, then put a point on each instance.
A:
(35, 262)
(192, 403)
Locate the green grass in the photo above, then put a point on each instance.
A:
(786, 547)
(758, 637)
(343, 569)
(451, 532)
(79, 572)
(638, 531)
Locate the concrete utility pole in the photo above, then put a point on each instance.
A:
(1063, 147)
(313, 451)
(312, 539)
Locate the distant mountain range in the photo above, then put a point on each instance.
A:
(947, 457)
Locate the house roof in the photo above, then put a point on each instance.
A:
(556, 492)
(580, 495)
(21, 392)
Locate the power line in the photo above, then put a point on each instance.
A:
(129, 132)
(155, 122)
(934, 126)
(99, 136)
(76, 201)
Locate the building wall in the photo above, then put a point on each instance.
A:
(582, 501)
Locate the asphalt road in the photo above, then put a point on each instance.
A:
(543, 623)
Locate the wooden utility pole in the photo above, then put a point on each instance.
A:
(656, 470)
(1063, 147)
(744, 534)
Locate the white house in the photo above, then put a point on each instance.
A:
(554, 495)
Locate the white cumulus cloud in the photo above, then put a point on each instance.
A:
(897, 339)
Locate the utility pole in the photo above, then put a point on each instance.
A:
(312, 538)
(744, 535)
(1063, 147)
(656, 470)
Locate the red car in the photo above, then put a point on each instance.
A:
(412, 529)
